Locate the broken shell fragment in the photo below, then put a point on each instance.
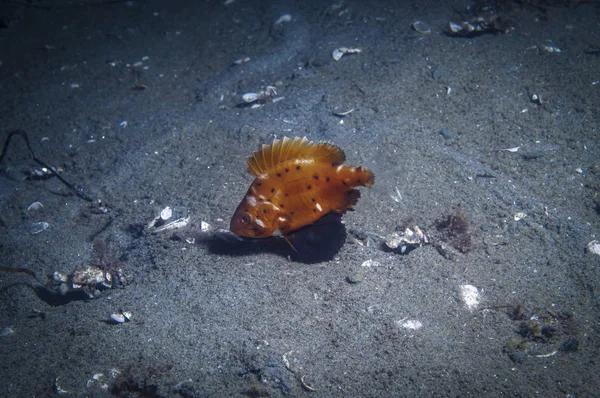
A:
(179, 223)
(519, 216)
(117, 318)
(338, 53)
(35, 206)
(283, 18)
(411, 324)
(38, 227)
(204, 226)
(166, 213)
(121, 317)
(470, 296)
(593, 247)
(269, 94)
(407, 240)
(250, 97)
(421, 27)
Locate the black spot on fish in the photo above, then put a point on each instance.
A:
(327, 179)
(272, 189)
(278, 174)
(287, 170)
(308, 186)
(316, 177)
(297, 167)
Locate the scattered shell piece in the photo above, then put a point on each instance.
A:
(35, 206)
(286, 361)
(470, 296)
(338, 53)
(7, 331)
(179, 223)
(37, 227)
(58, 276)
(118, 318)
(536, 99)
(593, 247)
(269, 94)
(166, 213)
(121, 317)
(552, 49)
(242, 60)
(283, 18)
(204, 226)
(548, 355)
(410, 238)
(411, 324)
(519, 216)
(579, 170)
(342, 114)
(370, 263)
(513, 149)
(114, 373)
(190, 241)
(421, 27)
(123, 123)
(305, 385)
(58, 388)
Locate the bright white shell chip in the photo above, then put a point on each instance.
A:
(470, 296)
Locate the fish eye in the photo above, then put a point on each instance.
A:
(245, 220)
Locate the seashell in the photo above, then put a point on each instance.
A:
(250, 97)
(166, 213)
(283, 18)
(38, 227)
(35, 206)
(421, 27)
(118, 318)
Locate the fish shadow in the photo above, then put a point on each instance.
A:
(314, 243)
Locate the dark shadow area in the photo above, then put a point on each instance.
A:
(314, 243)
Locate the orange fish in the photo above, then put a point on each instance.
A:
(297, 182)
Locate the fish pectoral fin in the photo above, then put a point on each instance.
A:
(348, 201)
(290, 243)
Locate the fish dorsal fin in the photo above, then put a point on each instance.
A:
(297, 148)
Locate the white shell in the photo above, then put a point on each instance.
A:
(519, 216)
(128, 315)
(593, 247)
(35, 206)
(204, 226)
(370, 263)
(454, 27)
(411, 324)
(470, 296)
(60, 277)
(118, 318)
(338, 53)
(166, 213)
(421, 27)
(250, 97)
(38, 227)
(179, 223)
(283, 18)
